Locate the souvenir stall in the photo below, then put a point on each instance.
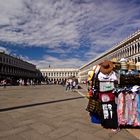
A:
(102, 106)
(128, 101)
(107, 80)
(129, 73)
(114, 94)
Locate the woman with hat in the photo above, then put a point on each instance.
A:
(107, 79)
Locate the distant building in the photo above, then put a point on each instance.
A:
(14, 68)
(58, 74)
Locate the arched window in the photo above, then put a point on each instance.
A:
(127, 52)
(135, 48)
(132, 49)
(138, 47)
(138, 59)
(135, 60)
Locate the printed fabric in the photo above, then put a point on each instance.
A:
(121, 109)
(128, 109)
(108, 111)
(137, 106)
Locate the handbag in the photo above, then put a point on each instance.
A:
(94, 106)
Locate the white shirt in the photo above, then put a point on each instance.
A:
(107, 77)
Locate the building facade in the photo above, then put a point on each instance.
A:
(58, 74)
(128, 48)
(12, 68)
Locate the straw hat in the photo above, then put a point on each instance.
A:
(138, 65)
(106, 67)
(114, 60)
(117, 64)
(131, 65)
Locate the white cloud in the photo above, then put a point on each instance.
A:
(48, 23)
(57, 63)
(3, 49)
(39, 23)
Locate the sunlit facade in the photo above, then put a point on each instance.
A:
(59, 74)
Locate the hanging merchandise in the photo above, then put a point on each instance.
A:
(114, 91)
(138, 66)
(106, 86)
(116, 64)
(129, 106)
(125, 108)
(136, 90)
(94, 105)
(128, 102)
(124, 65)
(107, 78)
(137, 120)
(129, 76)
(131, 65)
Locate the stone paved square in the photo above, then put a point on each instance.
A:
(47, 112)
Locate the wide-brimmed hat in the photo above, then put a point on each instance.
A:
(106, 67)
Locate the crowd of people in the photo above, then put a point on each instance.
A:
(3, 83)
(70, 84)
(18, 82)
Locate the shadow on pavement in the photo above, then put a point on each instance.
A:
(37, 104)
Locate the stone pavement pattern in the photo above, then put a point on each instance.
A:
(49, 113)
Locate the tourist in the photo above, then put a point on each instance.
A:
(67, 85)
(73, 85)
(4, 83)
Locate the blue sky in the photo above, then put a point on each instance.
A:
(65, 33)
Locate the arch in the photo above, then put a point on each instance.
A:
(139, 59)
(138, 47)
(135, 48)
(135, 60)
(129, 50)
(124, 52)
(132, 50)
